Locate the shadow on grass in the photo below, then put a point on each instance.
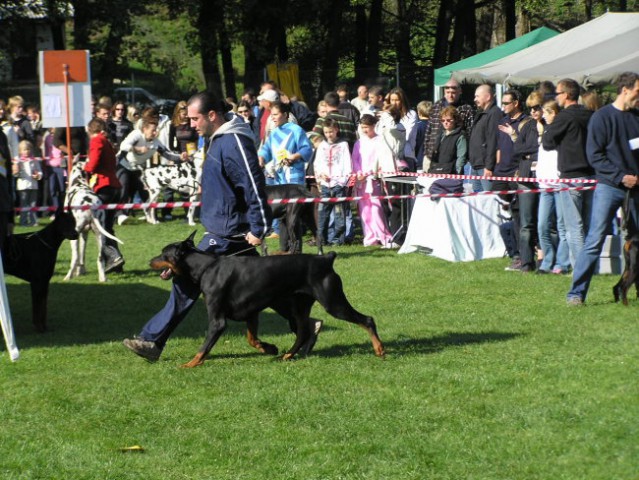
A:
(418, 346)
(96, 313)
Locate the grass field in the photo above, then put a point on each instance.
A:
(488, 375)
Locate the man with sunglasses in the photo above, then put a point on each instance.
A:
(567, 134)
(523, 206)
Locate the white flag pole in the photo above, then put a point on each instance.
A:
(5, 319)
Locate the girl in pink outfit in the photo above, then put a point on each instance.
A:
(366, 166)
(55, 171)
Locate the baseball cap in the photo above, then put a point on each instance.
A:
(269, 96)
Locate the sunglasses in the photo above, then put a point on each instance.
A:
(242, 111)
(447, 120)
(536, 108)
(559, 93)
(506, 103)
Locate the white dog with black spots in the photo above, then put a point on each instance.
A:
(88, 218)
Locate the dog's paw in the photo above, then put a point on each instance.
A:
(268, 348)
(195, 362)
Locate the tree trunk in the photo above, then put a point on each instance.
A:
(109, 66)
(442, 32)
(206, 25)
(81, 21)
(253, 66)
(328, 76)
(276, 42)
(510, 12)
(374, 32)
(225, 49)
(464, 37)
(485, 30)
(407, 66)
(361, 34)
(588, 8)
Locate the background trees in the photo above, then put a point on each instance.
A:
(224, 45)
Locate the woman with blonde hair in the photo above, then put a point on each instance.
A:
(182, 137)
(550, 222)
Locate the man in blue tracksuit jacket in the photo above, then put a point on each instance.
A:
(234, 210)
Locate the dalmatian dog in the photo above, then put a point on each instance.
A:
(182, 178)
(80, 194)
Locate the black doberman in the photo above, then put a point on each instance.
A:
(293, 216)
(630, 275)
(32, 257)
(238, 288)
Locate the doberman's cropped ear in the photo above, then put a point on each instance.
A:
(191, 238)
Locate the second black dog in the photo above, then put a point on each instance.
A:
(238, 288)
(630, 275)
(32, 257)
(294, 216)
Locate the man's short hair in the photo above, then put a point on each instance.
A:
(209, 103)
(516, 96)
(571, 87)
(376, 90)
(332, 99)
(628, 80)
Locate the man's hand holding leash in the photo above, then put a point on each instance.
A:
(253, 240)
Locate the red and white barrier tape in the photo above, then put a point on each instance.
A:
(284, 201)
(385, 175)
(427, 175)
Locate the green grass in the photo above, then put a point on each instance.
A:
(488, 375)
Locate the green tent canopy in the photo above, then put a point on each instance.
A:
(539, 35)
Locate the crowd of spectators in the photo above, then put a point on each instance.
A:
(355, 140)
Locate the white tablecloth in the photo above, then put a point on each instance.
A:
(456, 229)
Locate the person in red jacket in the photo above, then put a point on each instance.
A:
(101, 166)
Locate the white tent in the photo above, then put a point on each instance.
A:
(594, 52)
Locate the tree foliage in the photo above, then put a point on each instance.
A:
(195, 42)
